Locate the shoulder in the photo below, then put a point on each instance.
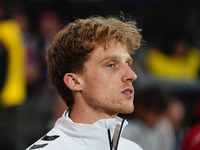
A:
(51, 141)
(125, 144)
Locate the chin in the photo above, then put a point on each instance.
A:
(127, 110)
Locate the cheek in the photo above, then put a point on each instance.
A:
(114, 101)
(100, 83)
(119, 102)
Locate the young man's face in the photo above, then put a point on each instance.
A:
(107, 80)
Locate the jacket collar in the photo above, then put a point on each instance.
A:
(86, 132)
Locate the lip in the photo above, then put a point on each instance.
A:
(128, 92)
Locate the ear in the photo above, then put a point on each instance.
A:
(72, 82)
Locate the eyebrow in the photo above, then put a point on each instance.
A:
(116, 57)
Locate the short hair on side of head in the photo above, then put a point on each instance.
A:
(73, 44)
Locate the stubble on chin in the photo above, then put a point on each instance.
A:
(119, 107)
(127, 108)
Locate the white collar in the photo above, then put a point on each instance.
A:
(97, 130)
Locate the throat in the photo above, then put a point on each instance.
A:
(86, 116)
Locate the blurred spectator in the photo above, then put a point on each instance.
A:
(150, 128)
(49, 23)
(39, 92)
(176, 114)
(13, 84)
(14, 90)
(166, 134)
(33, 56)
(176, 60)
(191, 139)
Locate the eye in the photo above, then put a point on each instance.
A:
(111, 65)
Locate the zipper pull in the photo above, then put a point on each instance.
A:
(117, 132)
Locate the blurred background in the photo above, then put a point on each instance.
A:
(169, 59)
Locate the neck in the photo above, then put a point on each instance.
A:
(83, 113)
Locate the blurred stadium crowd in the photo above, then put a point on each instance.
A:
(167, 64)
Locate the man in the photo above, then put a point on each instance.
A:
(89, 63)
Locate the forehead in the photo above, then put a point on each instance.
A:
(113, 49)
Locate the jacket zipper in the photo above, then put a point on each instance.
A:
(115, 140)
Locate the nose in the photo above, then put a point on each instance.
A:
(129, 75)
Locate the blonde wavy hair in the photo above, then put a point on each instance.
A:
(73, 44)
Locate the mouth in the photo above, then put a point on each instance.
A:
(128, 92)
